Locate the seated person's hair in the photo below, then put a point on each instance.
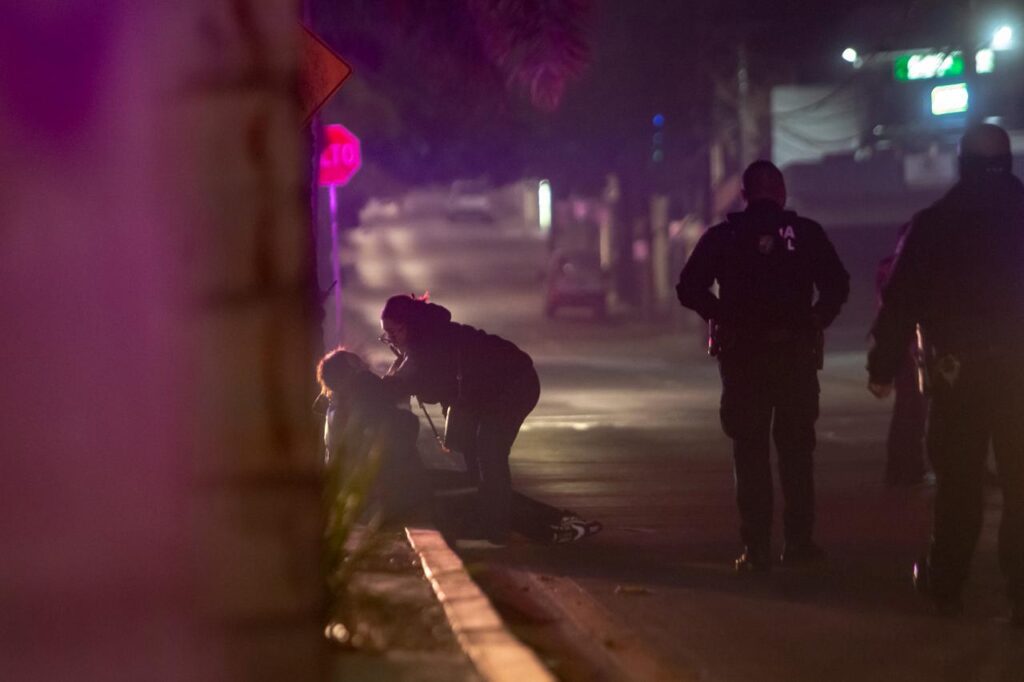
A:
(336, 369)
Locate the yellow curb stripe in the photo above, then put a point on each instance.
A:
(496, 654)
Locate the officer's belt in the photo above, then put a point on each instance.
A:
(775, 336)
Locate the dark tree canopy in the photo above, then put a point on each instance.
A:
(453, 88)
(568, 88)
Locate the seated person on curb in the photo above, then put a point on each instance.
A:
(360, 422)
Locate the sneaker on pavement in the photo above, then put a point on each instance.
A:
(573, 528)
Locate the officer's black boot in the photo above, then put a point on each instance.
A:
(920, 574)
(946, 605)
(755, 559)
(806, 553)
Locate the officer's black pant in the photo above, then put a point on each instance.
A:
(984, 406)
(487, 456)
(904, 462)
(767, 393)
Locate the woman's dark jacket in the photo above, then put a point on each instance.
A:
(457, 365)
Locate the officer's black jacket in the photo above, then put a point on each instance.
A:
(768, 262)
(959, 273)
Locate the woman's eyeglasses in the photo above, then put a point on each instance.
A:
(392, 346)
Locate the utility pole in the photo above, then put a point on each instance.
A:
(975, 107)
(745, 118)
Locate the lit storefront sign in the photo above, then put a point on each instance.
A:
(949, 99)
(923, 66)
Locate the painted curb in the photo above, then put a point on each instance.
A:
(497, 655)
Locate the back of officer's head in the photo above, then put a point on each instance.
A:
(762, 180)
(984, 152)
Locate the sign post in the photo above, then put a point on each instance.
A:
(340, 160)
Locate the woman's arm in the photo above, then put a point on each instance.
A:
(400, 384)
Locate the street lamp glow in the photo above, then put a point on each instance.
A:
(544, 205)
(985, 61)
(850, 55)
(1002, 39)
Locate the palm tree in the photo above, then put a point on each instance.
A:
(539, 46)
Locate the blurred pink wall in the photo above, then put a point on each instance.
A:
(94, 562)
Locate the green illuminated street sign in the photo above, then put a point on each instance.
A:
(923, 66)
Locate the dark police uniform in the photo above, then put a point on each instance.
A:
(960, 276)
(768, 262)
(904, 446)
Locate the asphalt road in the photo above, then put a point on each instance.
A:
(627, 432)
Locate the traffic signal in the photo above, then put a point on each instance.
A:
(658, 139)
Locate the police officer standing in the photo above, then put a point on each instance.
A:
(767, 335)
(959, 277)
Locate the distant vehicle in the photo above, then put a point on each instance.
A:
(470, 200)
(576, 280)
(380, 210)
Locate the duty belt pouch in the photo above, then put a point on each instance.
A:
(714, 340)
(721, 340)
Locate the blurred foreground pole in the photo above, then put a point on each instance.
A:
(661, 277)
(159, 512)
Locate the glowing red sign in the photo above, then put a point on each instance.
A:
(341, 158)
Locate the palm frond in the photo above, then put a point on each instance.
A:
(539, 45)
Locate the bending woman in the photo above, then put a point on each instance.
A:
(486, 384)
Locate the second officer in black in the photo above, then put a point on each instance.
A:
(957, 278)
(768, 263)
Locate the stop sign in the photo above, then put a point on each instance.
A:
(341, 157)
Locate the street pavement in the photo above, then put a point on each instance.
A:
(627, 432)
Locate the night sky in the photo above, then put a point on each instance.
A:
(452, 114)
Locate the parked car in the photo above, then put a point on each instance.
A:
(470, 200)
(380, 211)
(575, 279)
